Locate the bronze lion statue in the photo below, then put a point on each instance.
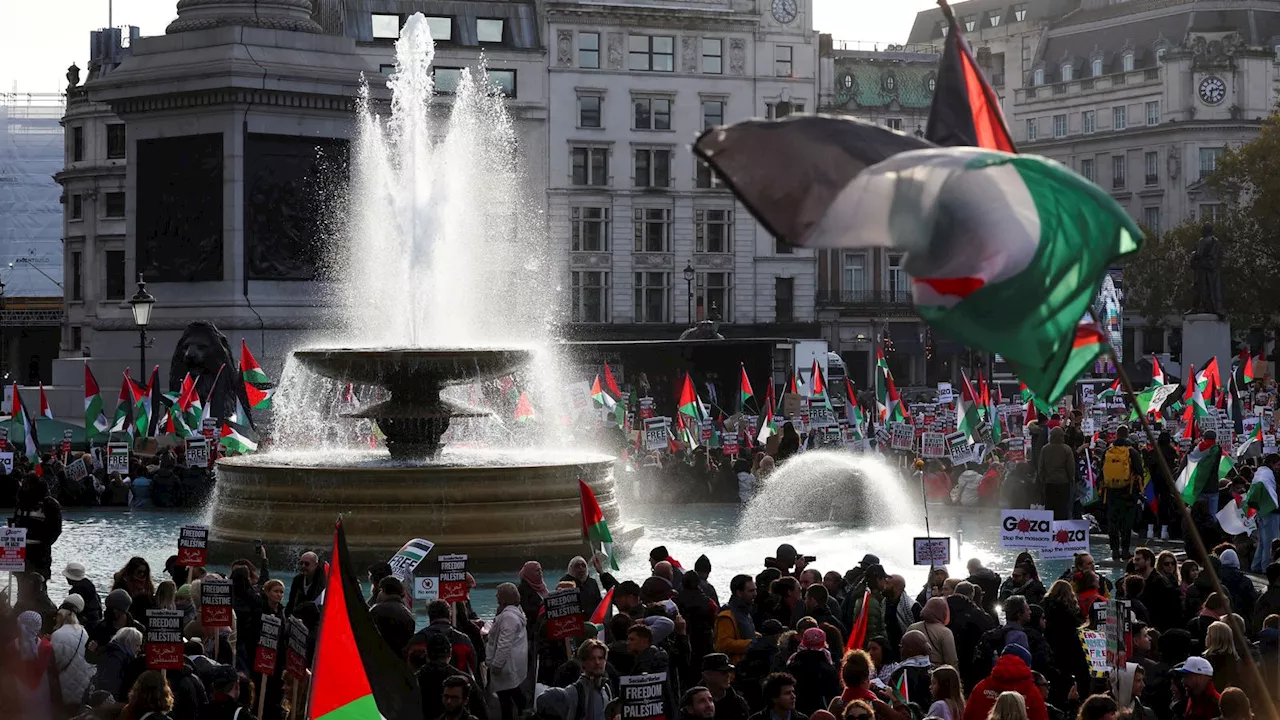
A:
(201, 351)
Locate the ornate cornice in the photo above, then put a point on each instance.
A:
(225, 322)
(234, 96)
(652, 18)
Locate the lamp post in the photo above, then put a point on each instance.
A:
(141, 304)
(4, 350)
(688, 281)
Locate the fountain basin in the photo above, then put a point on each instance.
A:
(499, 508)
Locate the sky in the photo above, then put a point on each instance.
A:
(46, 36)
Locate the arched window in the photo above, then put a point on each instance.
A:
(1067, 74)
(1097, 67)
(1037, 77)
(1128, 62)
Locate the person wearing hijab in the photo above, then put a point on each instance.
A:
(933, 623)
(533, 590)
(33, 666)
(588, 589)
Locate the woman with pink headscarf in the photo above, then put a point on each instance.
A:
(933, 624)
(533, 590)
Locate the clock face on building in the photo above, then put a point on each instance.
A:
(1212, 90)
(784, 11)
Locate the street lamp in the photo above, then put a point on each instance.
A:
(141, 304)
(688, 281)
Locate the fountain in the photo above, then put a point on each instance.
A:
(836, 486)
(443, 285)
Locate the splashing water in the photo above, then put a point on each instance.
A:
(833, 486)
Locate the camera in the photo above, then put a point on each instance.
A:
(810, 558)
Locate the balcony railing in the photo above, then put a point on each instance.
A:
(850, 298)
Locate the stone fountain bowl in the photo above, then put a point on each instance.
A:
(397, 368)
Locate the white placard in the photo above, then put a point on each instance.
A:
(820, 414)
(933, 445)
(655, 433)
(945, 393)
(426, 588)
(77, 470)
(13, 549)
(1026, 529)
(1069, 538)
(6, 463)
(902, 436)
(197, 452)
(1268, 444)
(118, 458)
(934, 552)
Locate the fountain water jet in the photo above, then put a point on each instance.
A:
(833, 485)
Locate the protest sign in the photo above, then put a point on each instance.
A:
(197, 452)
(13, 549)
(66, 442)
(642, 697)
(882, 436)
(1119, 633)
(4, 438)
(1070, 537)
(6, 463)
(215, 603)
(821, 414)
(1026, 529)
(646, 407)
(264, 657)
(705, 430)
(1016, 453)
(1268, 444)
(426, 588)
(193, 544)
(163, 641)
(933, 445)
(454, 586)
(118, 458)
(902, 436)
(565, 616)
(934, 552)
(655, 433)
(77, 471)
(945, 393)
(729, 445)
(408, 556)
(295, 654)
(1095, 646)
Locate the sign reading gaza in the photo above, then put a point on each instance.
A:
(1026, 529)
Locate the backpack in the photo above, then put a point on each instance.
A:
(1117, 471)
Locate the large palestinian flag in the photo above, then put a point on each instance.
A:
(965, 110)
(355, 676)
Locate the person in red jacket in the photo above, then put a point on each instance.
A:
(1011, 673)
(1202, 697)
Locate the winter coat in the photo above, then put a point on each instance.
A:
(1240, 588)
(507, 649)
(1032, 590)
(989, 582)
(1070, 663)
(73, 670)
(222, 707)
(968, 624)
(1267, 604)
(916, 670)
(431, 677)
(817, 681)
(966, 490)
(464, 652)
(1163, 601)
(300, 592)
(589, 595)
(1009, 674)
(727, 637)
(92, 603)
(993, 642)
(875, 614)
(942, 643)
(113, 665)
(1057, 464)
(394, 623)
(656, 660)
(189, 695)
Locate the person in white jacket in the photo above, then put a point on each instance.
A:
(507, 651)
(69, 642)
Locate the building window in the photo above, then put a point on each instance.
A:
(1031, 129)
(77, 144)
(588, 50)
(1059, 126)
(653, 229)
(489, 31)
(781, 248)
(1037, 77)
(1127, 62)
(1019, 12)
(655, 53)
(77, 280)
(1097, 67)
(653, 167)
(446, 79)
(712, 113)
(779, 110)
(1151, 219)
(1086, 169)
(441, 28)
(114, 274)
(590, 166)
(705, 178)
(1209, 159)
(1211, 212)
(942, 28)
(503, 80)
(589, 229)
(713, 231)
(1153, 112)
(898, 285)
(1067, 72)
(589, 111)
(1151, 163)
(894, 124)
(113, 205)
(1117, 171)
(116, 148)
(712, 56)
(77, 207)
(1119, 117)
(970, 22)
(590, 296)
(784, 299)
(1088, 121)
(652, 113)
(782, 61)
(387, 27)
(714, 291)
(653, 297)
(993, 18)
(386, 69)
(853, 281)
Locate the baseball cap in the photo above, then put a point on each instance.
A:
(1195, 665)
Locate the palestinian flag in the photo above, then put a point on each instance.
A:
(1006, 252)
(1113, 391)
(1255, 438)
(1152, 399)
(689, 403)
(95, 420)
(900, 689)
(982, 396)
(594, 527)
(30, 437)
(45, 411)
(610, 383)
(1209, 380)
(1196, 408)
(1157, 374)
(1262, 494)
(1032, 399)
(250, 370)
(601, 397)
(355, 676)
(818, 390)
(524, 408)
(883, 381)
(259, 399)
(123, 420)
(858, 634)
(1246, 366)
(967, 419)
(1203, 471)
(965, 110)
(140, 397)
(745, 393)
(234, 443)
(189, 403)
(768, 426)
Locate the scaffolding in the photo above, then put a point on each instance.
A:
(31, 153)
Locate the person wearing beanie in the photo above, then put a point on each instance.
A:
(702, 566)
(114, 618)
(84, 587)
(75, 604)
(1012, 673)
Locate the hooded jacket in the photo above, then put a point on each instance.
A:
(1009, 674)
(1057, 464)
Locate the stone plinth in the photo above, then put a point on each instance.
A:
(1205, 335)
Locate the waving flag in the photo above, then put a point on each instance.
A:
(1246, 366)
(1262, 494)
(1203, 471)
(965, 110)
(858, 634)
(235, 443)
(524, 408)
(123, 420)
(601, 397)
(768, 426)
(610, 383)
(45, 411)
(250, 370)
(1157, 374)
(745, 393)
(594, 527)
(31, 440)
(689, 403)
(967, 411)
(95, 420)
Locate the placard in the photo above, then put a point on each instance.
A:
(1119, 633)
(565, 618)
(901, 436)
(426, 588)
(1026, 529)
(882, 436)
(729, 445)
(295, 654)
(163, 641)
(4, 438)
(642, 697)
(6, 463)
(407, 558)
(193, 544)
(933, 445)
(958, 446)
(13, 549)
(66, 442)
(264, 657)
(215, 603)
(1268, 444)
(706, 429)
(931, 551)
(118, 458)
(655, 433)
(453, 578)
(1070, 537)
(1016, 453)
(197, 452)
(945, 393)
(821, 414)
(1095, 646)
(77, 470)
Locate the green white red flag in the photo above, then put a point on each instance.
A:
(745, 393)
(95, 420)
(858, 635)
(967, 419)
(234, 443)
(250, 370)
(594, 527)
(524, 408)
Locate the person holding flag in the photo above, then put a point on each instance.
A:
(1262, 497)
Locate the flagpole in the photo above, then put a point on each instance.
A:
(1238, 632)
(947, 12)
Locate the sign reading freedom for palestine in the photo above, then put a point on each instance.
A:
(642, 696)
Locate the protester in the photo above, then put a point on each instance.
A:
(506, 650)
(308, 583)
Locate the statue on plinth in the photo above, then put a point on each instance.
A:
(1206, 263)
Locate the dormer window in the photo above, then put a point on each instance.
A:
(993, 18)
(1097, 67)
(1128, 62)
(970, 22)
(944, 27)
(1020, 12)
(1067, 72)
(890, 83)
(1037, 77)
